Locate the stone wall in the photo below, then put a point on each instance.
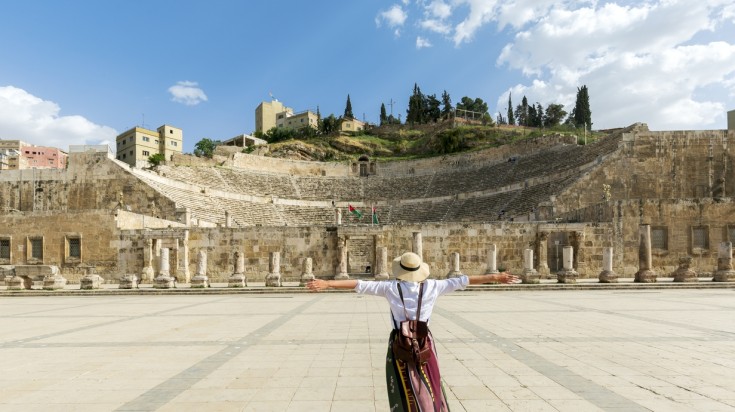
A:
(92, 181)
(659, 165)
(320, 244)
(96, 229)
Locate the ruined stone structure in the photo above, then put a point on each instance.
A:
(541, 194)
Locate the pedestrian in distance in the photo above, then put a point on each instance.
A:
(412, 370)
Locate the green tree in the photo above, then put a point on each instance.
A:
(554, 115)
(280, 134)
(446, 106)
(156, 159)
(473, 105)
(500, 119)
(511, 117)
(205, 147)
(582, 113)
(522, 112)
(432, 109)
(416, 106)
(348, 109)
(383, 114)
(330, 125)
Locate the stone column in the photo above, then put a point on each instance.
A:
(238, 279)
(543, 265)
(381, 271)
(148, 272)
(200, 279)
(342, 265)
(338, 216)
(164, 279)
(492, 260)
(724, 273)
(529, 274)
(454, 271)
(90, 280)
(607, 275)
(228, 219)
(186, 274)
(273, 278)
(645, 272)
(567, 274)
(684, 273)
(418, 245)
(307, 272)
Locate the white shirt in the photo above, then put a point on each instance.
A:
(432, 290)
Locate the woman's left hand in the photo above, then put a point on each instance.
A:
(506, 277)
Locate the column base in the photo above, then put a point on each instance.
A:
(567, 276)
(645, 276)
(530, 276)
(273, 280)
(129, 282)
(200, 281)
(724, 276)
(91, 282)
(237, 280)
(608, 276)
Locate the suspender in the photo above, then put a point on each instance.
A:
(405, 312)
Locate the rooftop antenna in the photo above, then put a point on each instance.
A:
(272, 97)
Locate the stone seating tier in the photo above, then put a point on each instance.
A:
(441, 183)
(190, 187)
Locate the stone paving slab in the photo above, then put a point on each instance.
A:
(580, 350)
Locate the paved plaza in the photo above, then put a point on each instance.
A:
(575, 350)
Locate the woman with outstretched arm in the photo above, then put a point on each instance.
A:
(412, 370)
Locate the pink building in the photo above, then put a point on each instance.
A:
(41, 157)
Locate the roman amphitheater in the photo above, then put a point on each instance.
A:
(239, 213)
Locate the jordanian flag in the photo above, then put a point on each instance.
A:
(355, 211)
(375, 216)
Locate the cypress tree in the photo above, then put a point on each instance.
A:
(582, 112)
(511, 118)
(383, 115)
(348, 109)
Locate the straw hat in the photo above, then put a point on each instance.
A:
(409, 267)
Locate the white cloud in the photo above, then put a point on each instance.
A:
(438, 9)
(669, 63)
(393, 17)
(637, 65)
(422, 42)
(188, 93)
(436, 26)
(26, 117)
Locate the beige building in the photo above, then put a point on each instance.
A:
(275, 114)
(136, 145)
(351, 125)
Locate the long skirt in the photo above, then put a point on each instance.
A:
(412, 387)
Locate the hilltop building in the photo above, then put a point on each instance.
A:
(19, 155)
(136, 145)
(275, 114)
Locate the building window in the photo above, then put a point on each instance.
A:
(5, 250)
(174, 144)
(146, 139)
(660, 238)
(123, 156)
(156, 141)
(131, 152)
(73, 249)
(700, 239)
(146, 153)
(35, 245)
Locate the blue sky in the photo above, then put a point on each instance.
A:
(79, 72)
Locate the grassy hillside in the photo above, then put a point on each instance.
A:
(395, 142)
